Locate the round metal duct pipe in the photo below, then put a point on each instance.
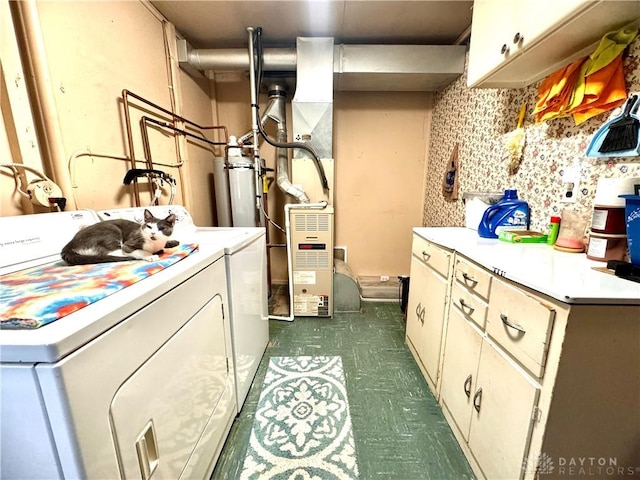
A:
(275, 59)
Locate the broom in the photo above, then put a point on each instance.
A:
(623, 133)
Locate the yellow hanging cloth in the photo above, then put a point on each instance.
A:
(600, 85)
(554, 93)
(590, 85)
(603, 91)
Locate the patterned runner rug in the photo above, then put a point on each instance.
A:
(302, 427)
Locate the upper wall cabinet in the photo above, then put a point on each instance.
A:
(517, 42)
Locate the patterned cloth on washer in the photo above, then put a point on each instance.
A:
(40, 295)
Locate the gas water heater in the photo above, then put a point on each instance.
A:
(312, 261)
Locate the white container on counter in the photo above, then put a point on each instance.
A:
(475, 204)
(609, 189)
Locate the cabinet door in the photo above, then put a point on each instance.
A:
(503, 403)
(539, 18)
(493, 27)
(461, 356)
(425, 328)
(416, 309)
(435, 297)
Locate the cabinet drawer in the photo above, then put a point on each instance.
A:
(470, 305)
(431, 255)
(475, 278)
(521, 324)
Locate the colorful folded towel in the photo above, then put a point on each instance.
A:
(40, 295)
(554, 93)
(589, 86)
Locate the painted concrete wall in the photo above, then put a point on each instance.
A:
(94, 51)
(380, 140)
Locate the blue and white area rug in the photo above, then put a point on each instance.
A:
(302, 428)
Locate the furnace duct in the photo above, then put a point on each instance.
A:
(312, 104)
(276, 111)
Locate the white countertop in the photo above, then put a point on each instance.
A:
(568, 277)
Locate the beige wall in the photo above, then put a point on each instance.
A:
(95, 50)
(379, 145)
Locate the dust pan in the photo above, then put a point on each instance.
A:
(620, 132)
(623, 133)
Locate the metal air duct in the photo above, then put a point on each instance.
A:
(355, 67)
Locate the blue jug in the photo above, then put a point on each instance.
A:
(508, 214)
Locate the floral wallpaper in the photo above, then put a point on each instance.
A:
(480, 121)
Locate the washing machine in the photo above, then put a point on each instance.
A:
(120, 370)
(245, 254)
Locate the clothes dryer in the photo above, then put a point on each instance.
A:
(134, 383)
(245, 253)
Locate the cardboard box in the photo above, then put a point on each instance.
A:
(522, 236)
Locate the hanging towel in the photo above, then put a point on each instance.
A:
(589, 86)
(609, 48)
(554, 93)
(604, 90)
(600, 86)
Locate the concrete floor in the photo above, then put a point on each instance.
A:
(400, 432)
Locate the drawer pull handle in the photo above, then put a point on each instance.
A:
(477, 398)
(421, 316)
(468, 278)
(426, 256)
(418, 309)
(506, 321)
(463, 304)
(467, 386)
(504, 49)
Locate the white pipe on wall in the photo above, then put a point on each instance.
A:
(45, 105)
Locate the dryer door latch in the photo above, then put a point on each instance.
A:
(147, 449)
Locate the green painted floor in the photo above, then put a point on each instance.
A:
(400, 432)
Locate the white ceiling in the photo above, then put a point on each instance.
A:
(222, 23)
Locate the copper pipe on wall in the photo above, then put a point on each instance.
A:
(127, 117)
(132, 156)
(144, 120)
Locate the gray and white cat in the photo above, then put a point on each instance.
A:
(119, 240)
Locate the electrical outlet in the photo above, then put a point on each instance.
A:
(40, 191)
(384, 278)
(570, 184)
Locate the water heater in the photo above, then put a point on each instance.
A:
(312, 261)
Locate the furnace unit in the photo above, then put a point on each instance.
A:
(312, 259)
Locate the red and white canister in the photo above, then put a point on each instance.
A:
(608, 211)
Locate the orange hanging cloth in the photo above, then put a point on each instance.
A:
(604, 90)
(554, 93)
(589, 86)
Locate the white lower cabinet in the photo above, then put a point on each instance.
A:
(426, 308)
(489, 400)
(425, 317)
(532, 387)
(460, 377)
(504, 400)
